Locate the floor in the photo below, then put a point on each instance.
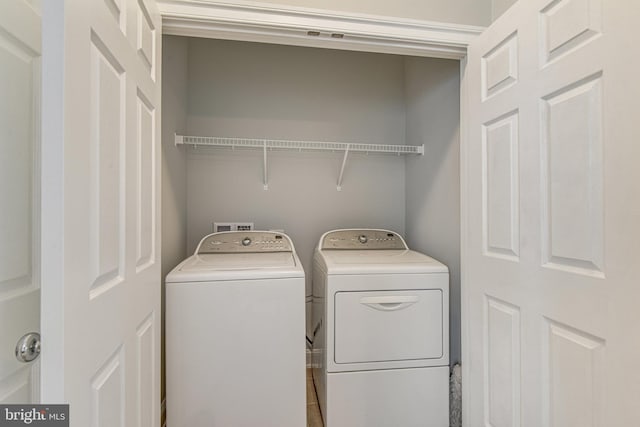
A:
(314, 419)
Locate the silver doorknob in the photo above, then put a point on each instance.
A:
(363, 239)
(28, 347)
(246, 241)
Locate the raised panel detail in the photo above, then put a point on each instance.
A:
(146, 367)
(107, 169)
(502, 364)
(572, 178)
(146, 219)
(501, 187)
(500, 67)
(569, 24)
(108, 396)
(17, 387)
(118, 13)
(18, 129)
(146, 37)
(572, 377)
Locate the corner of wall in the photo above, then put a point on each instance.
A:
(174, 165)
(433, 180)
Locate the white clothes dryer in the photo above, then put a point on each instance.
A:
(235, 334)
(381, 332)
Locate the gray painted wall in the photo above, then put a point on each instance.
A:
(174, 161)
(498, 7)
(285, 92)
(470, 12)
(433, 181)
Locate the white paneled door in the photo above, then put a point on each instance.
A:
(101, 310)
(552, 248)
(20, 49)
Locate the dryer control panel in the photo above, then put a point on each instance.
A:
(362, 239)
(244, 242)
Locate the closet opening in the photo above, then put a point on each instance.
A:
(236, 89)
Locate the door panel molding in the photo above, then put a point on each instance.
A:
(107, 168)
(566, 25)
(501, 186)
(108, 392)
(502, 376)
(572, 371)
(500, 67)
(575, 283)
(572, 177)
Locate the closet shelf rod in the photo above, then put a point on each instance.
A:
(212, 141)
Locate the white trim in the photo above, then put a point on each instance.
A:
(464, 251)
(258, 22)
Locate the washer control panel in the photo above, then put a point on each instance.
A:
(362, 239)
(230, 242)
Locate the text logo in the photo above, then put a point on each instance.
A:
(34, 415)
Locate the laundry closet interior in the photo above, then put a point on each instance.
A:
(236, 89)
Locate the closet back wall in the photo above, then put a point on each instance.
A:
(250, 90)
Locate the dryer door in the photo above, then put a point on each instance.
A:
(384, 326)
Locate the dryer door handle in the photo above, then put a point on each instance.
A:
(389, 303)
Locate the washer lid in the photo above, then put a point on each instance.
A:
(380, 261)
(238, 266)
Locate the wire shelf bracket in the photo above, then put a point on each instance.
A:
(266, 144)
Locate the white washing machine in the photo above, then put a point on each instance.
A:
(381, 332)
(235, 334)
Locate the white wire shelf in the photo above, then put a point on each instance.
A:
(214, 141)
(269, 144)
